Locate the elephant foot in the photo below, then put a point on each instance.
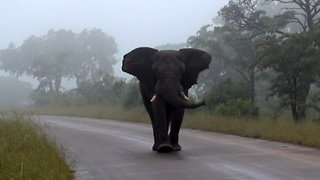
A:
(164, 148)
(176, 147)
(155, 147)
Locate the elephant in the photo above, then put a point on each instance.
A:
(164, 80)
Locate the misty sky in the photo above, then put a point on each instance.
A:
(132, 23)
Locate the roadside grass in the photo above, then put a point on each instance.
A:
(284, 130)
(27, 153)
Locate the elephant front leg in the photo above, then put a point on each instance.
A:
(176, 120)
(155, 136)
(160, 125)
(154, 126)
(146, 96)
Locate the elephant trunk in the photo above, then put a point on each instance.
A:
(176, 97)
(176, 100)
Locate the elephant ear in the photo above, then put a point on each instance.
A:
(195, 62)
(139, 62)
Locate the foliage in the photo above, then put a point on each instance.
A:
(212, 41)
(295, 60)
(226, 91)
(231, 99)
(68, 98)
(238, 107)
(232, 45)
(306, 13)
(314, 104)
(49, 58)
(97, 91)
(86, 57)
(250, 17)
(170, 46)
(94, 56)
(259, 48)
(110, 90)
(253, 32)
(42, 97)
(131, 97)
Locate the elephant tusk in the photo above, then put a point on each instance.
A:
(184, 96)
(154, 98)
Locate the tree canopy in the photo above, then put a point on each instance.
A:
(48, 58)
(251, 39)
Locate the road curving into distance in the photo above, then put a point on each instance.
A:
(115, 150)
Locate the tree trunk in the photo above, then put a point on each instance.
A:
(294, 101)
(308, 17)
(298, 100)
(57, 83)
(252, 86)
(294, 112)
(301, 98)
(50, 84)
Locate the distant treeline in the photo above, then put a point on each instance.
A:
(14, 93)
(265, 54)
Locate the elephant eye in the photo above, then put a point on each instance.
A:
(182, 67)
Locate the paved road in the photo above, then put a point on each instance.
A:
(106, 149)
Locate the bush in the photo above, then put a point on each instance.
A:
(238, 107)
(226, 91)
(131, 96)
(314, 105)
(41, 97)
(70, 98)
(117, 92)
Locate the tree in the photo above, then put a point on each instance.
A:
(170, 46)
(132, 96)
(306, 12)
(295, 59)
(226, 91)
(10, 60)
(234, 43)
(48, 58)
(43, 57)
(94, 55)
(306, 15)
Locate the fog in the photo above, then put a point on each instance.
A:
(72, 52)
(131, 23)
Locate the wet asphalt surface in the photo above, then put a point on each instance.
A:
(115, 150)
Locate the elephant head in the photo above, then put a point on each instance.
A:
(169, 73)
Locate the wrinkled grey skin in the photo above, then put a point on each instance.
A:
(165, 74)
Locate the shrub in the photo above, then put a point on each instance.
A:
(131, 96)
(226, 91)
(238, 107)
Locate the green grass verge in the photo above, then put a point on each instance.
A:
(26, 152)
(284, 130)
